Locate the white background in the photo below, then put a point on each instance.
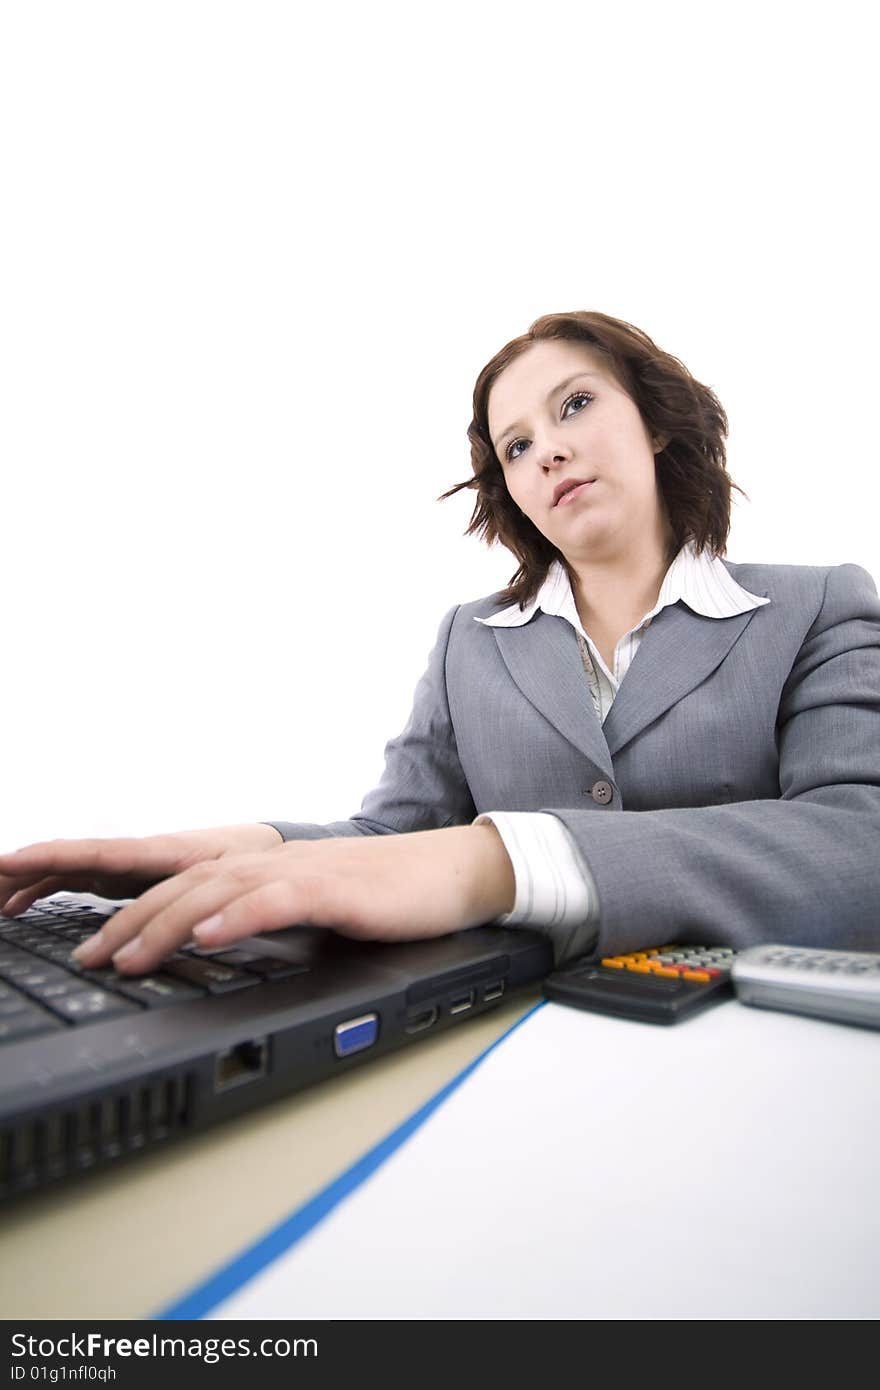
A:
(254, 257)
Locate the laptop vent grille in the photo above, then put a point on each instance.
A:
(73, 1140)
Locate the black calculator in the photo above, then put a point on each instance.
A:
(663, 984)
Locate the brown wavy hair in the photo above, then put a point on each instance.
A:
(691, 467)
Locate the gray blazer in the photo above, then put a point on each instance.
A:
(742, 756)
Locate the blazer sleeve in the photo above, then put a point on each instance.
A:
(803, 868)
(422, 786)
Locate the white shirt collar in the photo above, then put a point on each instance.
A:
(701, 581)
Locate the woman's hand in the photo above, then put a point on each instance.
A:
(387, 888)
(118, 868)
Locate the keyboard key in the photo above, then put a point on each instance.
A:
(106, 977)
(234, 955)
(213, 975)
(24, 936)
(29, 972)
(157, 991)
(77, 934)
(275, 968)
(268, 967)
(27, 1024)
(14, 1004)
(59, 989)
(59, 952)
(90, 1005)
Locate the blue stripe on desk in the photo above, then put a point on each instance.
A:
(200, 1300)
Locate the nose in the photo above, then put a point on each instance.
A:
(551, 453)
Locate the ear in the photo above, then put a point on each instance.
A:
(660, 441)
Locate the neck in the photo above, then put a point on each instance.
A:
(622, 587)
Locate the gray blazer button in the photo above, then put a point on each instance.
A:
(602, 792)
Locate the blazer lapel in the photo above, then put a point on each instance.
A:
(679, 650)
(544, 660)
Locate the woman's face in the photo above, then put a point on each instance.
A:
(557, 417)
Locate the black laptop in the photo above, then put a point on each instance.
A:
(96, 1067)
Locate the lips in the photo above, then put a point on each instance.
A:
(568, 485)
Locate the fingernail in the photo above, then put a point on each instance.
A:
(207, 930)
(129, 951)
(88, 948)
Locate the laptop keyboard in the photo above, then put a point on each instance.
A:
(42, 989)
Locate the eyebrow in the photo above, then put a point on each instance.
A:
(511, 429)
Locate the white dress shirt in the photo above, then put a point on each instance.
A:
(554, 887)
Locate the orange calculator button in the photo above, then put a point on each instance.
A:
(664, 970)
(613, 961)
(639, 966)
(701, 975)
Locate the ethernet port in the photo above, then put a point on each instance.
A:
(238, 1065)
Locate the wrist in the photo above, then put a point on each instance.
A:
(255, 837)
(273, 837)
(495, 888)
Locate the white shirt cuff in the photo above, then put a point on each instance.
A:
(555, 890)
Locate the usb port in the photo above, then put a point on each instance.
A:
(461, 1002)
(493, 991)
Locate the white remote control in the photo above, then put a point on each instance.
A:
(840, 985)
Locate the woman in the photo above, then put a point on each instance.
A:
(725, 789)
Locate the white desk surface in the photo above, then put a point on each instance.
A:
(589, 1168)
(724, 1167)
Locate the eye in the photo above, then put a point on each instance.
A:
(577, 396)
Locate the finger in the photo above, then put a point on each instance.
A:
(120, 868)
(129, 922)
(227, 908)
(346, 898)
(268, 907)
(57, 855)
(16, 895)
(10, 887)
(24, 898)
(147, 858)
(159, 917)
